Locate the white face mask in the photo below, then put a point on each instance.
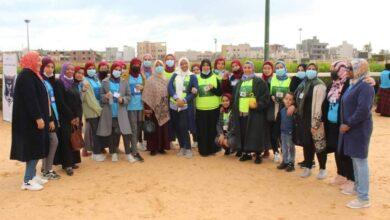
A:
(69, 78)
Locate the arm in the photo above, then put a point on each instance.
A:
(220, 125)
(126, 99)
(29, 95)
(364, 104)
(263, 96)
(90, 100)
(193, 84)
(217, 91)
(171, 88)
(103, 99)
(62, 105)
(319, 94)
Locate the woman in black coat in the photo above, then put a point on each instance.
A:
(30, 120)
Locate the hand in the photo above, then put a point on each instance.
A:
(273, 98)
(52, 126)
(211, 87)
(40, 124)
(148, 112)
(139, 87)
(370, 80)
(220, 139)
(108, 95)
(314, 131)
(86, 87)
(75, 121)
(180, 103)
(194, 90)
(344, 128)
(252, 103)
(290, 110)
(120, 100)
(225, 142)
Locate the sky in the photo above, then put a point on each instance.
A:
(190, 24)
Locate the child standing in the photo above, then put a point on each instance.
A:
(286, 130)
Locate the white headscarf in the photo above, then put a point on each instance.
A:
(180, 77)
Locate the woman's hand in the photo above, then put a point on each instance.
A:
(225, 76)
(180, 103)
(194, 91)
(252, 103)
(370, 80)
(86, 87)
(314, 131)
(344, 128)
(75, 121)
(139, 87)
(148, 112)
(220, 139)
(108, 95)
(120, 100)
(52, 126)
(40, 124)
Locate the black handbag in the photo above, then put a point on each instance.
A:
(149, 127)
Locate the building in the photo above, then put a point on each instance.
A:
(128, 53)
(76, 56)
(344, 51)
(314, 48)
(158, 50)
(111, 53)
(256, 53)
(193, 55)
(239, 51)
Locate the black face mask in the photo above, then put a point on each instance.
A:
(135, 69)
(334, 75)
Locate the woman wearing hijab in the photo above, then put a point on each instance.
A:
(147, 66)
(207, 109)
(155, 98)
(180, 89)
(103, 69)
(90, 96)
(219, 67)
(136, 82)
(114, 121)
(70, 111)
(331, 117)
(251, 99)
(229, 81)
(297, 79)
(383, 105)
(310, 96)
(170, 65)
(30, 120)
(356, 128)
(47, 73)
(225, 130)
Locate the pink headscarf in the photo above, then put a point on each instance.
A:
(338, 84)
(30, 61)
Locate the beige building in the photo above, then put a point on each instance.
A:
(77, 56)
(157, 49)
(236, 51)
(193, 55)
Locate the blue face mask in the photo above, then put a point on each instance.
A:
(116, 73)
(206, 72)
(280, 72)
(301, 74)
(147, 63)
(170, 63)
(159, 69)
(217, 71)
(311, 74)
(91, 73)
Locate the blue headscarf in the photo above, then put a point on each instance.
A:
(284, 76)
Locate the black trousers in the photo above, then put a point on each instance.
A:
(179, 122)
(308, 154)
(344, 166)
(97, 143)
(206, 122)
(115, 137)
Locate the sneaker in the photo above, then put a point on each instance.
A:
(188, 154)
(182, 152)
(130, 158)
(40, 180)
(306, 173)
(258, 159)
(98, 157)
(194, 145)
(349, 192)
(114, 157)
(138, 157)
(322, 174)
(348, 185)
(338, 181)
(69, 171)
(282, 166)
(290, 167)
(238, 154)
(51, 175)
(245, 157)
(142, 146)
(276, 158)
(32, 186)
(358, 204)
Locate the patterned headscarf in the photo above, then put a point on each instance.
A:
(45, 61)
(360, 69)
(30, 61)
(68, 83)
(145, 69)
(338, 84)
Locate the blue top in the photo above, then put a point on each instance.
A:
(136, 95)
(287, 122)
(385, 79)
(96, 85)
(50, 92)
(333, 112)
(114, 89)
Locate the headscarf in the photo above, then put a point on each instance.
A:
(167, 68)
(360, 69)
(87, 65)
(195, 65)
(252, 75)
(154, 68)
(145, 69)
(45, 61)
(113, 66)
(230, 97)
(76, 69)
(30, 61)
(133, 62)
(68, 83)
(201, 66)
(265, 78)
(338, 84)
(180, 77)
(102, 75)
(238, 73)
(283, 77)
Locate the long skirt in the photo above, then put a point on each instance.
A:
(65, 155)
(206, 123)
(159, 140)
(383, 104)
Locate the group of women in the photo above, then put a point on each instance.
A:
(238, 111)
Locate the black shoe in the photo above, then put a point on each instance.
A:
(282, 166)
(153, 153)
(227, 151)
(75, 167)
(302, 163)
(69, 171)
(238, 154)
(245, 157)
(258, 159)
(138, 157)
(290, 167)
(162, 151)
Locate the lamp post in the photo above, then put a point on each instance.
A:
(28, 36)
(215, 43)
(300, 35)
(266, 37)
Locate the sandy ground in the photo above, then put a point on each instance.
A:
(167, 187)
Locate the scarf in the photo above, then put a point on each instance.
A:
(338, 84)
(30, 61)
(135, 62)
(180, 77)
(68, 83)
(237, 74)
(304, 88)
(167, 68)
(360, 68)
(230, 97)
(265, 77)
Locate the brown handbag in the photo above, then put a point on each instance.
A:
(76, 138)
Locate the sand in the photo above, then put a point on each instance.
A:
(168, 187)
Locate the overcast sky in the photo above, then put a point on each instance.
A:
(190, 24)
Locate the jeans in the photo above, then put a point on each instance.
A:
(288, 148)
(180, 125)
(360, 169)
(31, 170)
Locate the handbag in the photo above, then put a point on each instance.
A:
(76, 138)
(149, 127)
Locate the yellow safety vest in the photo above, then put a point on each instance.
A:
(279, 87)
(206, 100)
(246, 94)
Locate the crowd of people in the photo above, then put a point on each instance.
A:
(150, 105)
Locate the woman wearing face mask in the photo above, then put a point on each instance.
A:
(147, 66)
(103, 68)
(207, 109)
(310, 96)
(219, 67)
(229, 81)
(331, 117)
(180, 89)
(90, 95)
(155, 98)
(170, 61)
(135, 107)
(30, 120)
(297, 79)
(114, 121)
(251, 99)
(70, 111)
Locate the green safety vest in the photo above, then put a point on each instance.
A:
(246, 93)
(279, 88)
(184, 94)
(226, 117)
(167, 75)
(206, 100)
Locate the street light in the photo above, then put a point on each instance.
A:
(215, 42)
(27, 21)
(300, 35)
(266, 37)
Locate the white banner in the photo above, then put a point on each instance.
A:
(10, 63)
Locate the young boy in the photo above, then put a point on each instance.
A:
(286, 130)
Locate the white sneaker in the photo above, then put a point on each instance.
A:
(194, 145)
(130, 158)
(114, 157)
(32, 186)
(182, 152)
(188, 154)
(358, 204)
(40, 180)
(306, 173)
(142, 146)
(98, 157)
(276, 157)
(322, 174)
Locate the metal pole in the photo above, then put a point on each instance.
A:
(215, 42)
(266, 37)
(28, 36)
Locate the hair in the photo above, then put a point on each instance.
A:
(387, 66)
(194, 65)
(292, 94)
(205, 61)
(312, 64)
(302, 65)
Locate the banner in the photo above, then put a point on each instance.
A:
(10, 63)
